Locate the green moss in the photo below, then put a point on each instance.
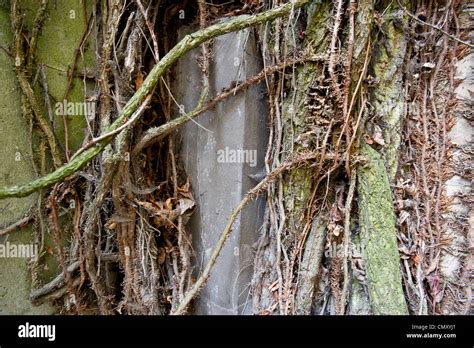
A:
(16, 168)
(60, 37)
(378, 236)
(14, 145)
(319, 16)
(297, 186)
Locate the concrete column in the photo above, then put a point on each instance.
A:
(219, 154)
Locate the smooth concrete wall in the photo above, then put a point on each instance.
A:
(237, 126)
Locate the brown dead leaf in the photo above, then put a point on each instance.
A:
(138, 80)
(185, 192)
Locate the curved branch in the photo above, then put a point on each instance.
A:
(185, 45)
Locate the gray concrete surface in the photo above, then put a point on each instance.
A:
(219, 154)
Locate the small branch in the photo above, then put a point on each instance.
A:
(205, 47)
(47, 101)
(70, 75)
(27, 90)
(228, 228)
(16, 226)
(156, 52)
(38, 24)
(40, 118)
(110, 134)
(350, 52)
(332, 49)
(53, 285)
(354, 94)
(185, 45)
(6, 51)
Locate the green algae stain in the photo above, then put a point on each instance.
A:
(61, 34)
(378, 236)
(16, 168)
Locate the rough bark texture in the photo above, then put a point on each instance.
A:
(388, 97)
(379, 236)
(298, 184)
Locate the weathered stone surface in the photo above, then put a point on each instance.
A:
(455, 261)
(60, 36)
(218, 180)
(61, 33)
(16, 167)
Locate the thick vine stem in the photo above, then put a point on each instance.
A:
(185, 45)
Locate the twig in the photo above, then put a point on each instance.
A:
(228, 228)
(332, 50)
(17, 225)
(156, 52)
(10, 54)
(70, 75)
(47, 101)
(39, 19)
(205, 47)
(27, 90)
(56, 234)
(185, 45)
(80, 241)
(354, 95)
(40, 118)
(350, 51)
(110, 134)
(53, 285)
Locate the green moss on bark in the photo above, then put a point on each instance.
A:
(297, 187)
(378, 236)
